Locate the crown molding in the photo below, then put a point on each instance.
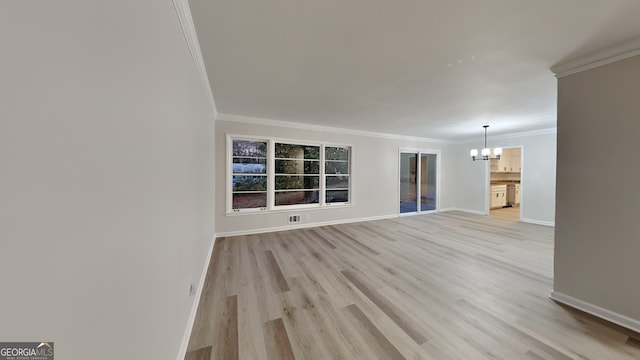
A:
(598, 58)
(527, 133)
(513, 135)
(301, 126)
(189, 30)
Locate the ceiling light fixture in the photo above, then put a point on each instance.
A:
(486, 152)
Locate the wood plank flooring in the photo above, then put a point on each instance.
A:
(510, 213)
(439, 286)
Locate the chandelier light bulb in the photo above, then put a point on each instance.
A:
(486, 151)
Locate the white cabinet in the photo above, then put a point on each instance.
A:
(514, 161)
(498, 196)
(494, 165)
(509, 161)
(504, 163)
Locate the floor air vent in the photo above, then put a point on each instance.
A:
(294, 219)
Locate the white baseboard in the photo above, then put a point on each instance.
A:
(302, 226)
(465, 210)
(194, 308)
(597, 311)
(538, 222)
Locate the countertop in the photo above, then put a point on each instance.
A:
(505, 182)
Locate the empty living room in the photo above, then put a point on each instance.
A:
(206, 179)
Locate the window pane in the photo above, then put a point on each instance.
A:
(284, 182)
(249, 183)
(297, 197)
(249, 200)
(297, 167)
(336, 153)
(408, 186)
(294, 151)
(334, 196)
(337, 182)
(312, 167)
(249, 166)
(248, 148)
(312, 152)
(336, 167)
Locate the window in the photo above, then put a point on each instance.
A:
(270, 174)
(297, 174)
(336, 169)
(249, 179)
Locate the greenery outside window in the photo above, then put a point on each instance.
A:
(297, 174)
(337, 171)
(270, 174)
(249, 174)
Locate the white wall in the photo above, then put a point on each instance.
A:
(375, 177)
(598, 212)
(106, 141)
(468, 179)
(538, 175)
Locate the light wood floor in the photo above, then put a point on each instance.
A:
(509, 213)
(438, 286)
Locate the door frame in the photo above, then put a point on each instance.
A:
(419, 152)
(487, 196)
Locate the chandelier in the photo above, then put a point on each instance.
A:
(486, 152)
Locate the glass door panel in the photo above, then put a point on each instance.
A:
(408, 184)
(427, 182)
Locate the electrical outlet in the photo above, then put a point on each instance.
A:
(294, 219)
(192, 286)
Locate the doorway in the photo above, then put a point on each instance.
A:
(505, 185)
(418, 181)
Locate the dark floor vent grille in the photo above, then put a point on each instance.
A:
(294, 219)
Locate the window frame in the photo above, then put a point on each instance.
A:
(271, 175)
(274, 174)
(230, 174)
(349, 174)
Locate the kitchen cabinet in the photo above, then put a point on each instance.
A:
(505, 163)
(514, 161)
(498, 196)
(501, 165)
(509, 161)
(494, 165)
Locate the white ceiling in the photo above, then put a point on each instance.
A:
(436, 69)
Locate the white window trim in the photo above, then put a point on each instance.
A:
(273, 174)
(229, 177)
(324, 176)
(271, 207)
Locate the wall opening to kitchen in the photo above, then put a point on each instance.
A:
(505, 176)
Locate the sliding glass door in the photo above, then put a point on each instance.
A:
(408, 184)
(418, 181)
